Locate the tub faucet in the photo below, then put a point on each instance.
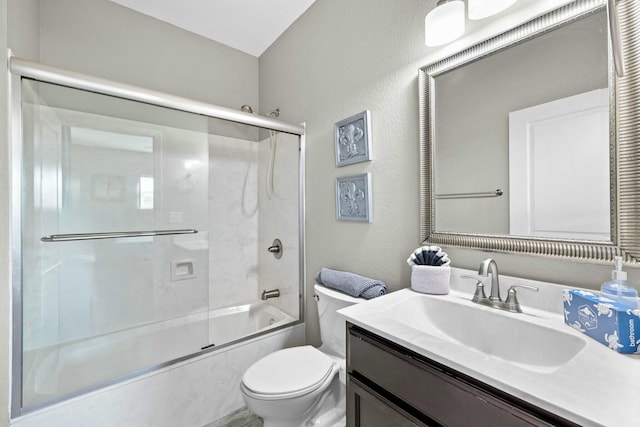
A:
(273, 293)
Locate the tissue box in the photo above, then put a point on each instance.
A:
(603, 319)
(430, 279)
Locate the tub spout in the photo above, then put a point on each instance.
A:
(273, 293)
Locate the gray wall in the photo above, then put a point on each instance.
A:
(23, 30)
(338, 59)
(104, 39)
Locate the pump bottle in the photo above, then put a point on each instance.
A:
(618, 289)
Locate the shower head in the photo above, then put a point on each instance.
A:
(247, 109)
(275, 113)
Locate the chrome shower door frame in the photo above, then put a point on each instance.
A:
(19, 69)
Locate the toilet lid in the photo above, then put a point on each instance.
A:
(292, 371)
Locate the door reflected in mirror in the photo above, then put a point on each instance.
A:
(532, 120)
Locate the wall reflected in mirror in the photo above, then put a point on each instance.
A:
(532, 120)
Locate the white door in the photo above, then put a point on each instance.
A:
(559, 168)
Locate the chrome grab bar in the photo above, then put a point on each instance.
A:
(495, 193)
(113, 235)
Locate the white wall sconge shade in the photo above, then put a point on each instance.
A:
(480, 9)
(445, 23)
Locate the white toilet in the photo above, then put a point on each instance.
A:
(298, 386)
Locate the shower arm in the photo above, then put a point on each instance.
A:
(113, 235)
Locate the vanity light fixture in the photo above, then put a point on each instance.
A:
(480, 9)
(445, 23)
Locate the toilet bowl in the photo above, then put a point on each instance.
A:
(304, 386)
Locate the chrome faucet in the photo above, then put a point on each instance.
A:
(273, 293)
(489, 266)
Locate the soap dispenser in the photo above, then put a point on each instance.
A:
(618, 289)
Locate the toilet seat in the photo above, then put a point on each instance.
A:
(289, 373)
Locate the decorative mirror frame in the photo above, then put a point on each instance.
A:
(624, 136)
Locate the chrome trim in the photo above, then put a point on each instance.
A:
(614, 33)
(511, 303)
(626, 119)
(113, 235)
(302, 260)
(490, 266)
(272, 293)
(15, 154)
(276, 248)
(45, 73)
(624, 134)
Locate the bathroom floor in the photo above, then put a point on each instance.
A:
(240, 418)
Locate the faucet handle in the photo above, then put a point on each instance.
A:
(479, 294)
(511, 303)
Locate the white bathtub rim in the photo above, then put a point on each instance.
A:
(187, 318)
(230, 334)
(150, 372)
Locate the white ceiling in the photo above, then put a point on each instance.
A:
(247, 25)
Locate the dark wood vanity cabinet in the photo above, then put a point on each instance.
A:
(389, 385)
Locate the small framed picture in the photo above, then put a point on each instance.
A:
(353, 139)
(353, 198)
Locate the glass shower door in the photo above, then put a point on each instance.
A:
(99, 306)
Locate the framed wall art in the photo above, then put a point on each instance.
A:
(353, 198)
(353, 139)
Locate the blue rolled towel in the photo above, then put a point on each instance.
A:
(351, 283)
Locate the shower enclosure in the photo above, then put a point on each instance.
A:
(142, 230)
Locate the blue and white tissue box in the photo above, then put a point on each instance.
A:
(605, 320)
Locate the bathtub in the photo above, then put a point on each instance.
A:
(231, 323)
(66, 370)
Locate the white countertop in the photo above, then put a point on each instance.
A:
(598, 387)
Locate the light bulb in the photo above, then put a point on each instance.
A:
(445, 23)
(480, 9)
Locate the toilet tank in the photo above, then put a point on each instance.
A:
(333, 326)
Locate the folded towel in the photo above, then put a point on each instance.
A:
(428, 255)
(351, 283)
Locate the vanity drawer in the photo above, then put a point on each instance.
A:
(370, 409)
(430, 391)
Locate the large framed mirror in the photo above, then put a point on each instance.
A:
(530, 143)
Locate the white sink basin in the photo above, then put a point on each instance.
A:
(514, 337)
(533, 356)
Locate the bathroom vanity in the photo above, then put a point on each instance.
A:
(425, 360)
(391, 385)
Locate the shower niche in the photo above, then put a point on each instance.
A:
(143, 234)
